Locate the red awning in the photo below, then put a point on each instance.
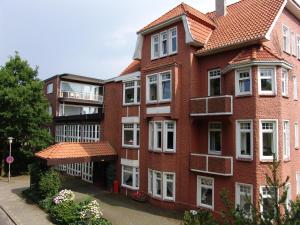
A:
(73, 152)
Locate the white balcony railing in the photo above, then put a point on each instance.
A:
(211, 164)
(81, 96)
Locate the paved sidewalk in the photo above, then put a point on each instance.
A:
(25, 212)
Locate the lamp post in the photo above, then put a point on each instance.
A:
(10, 139)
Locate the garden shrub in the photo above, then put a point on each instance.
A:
(65, 213)
(49, 184)
(64, 196)
(35, 171)
(200, 217)
(46, 203)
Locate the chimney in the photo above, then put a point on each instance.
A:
(221, 8)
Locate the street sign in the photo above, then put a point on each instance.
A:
(10, 159)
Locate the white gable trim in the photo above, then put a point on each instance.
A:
(138, 47)
(268, 34)
(188, 34)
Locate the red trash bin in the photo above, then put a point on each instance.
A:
(116, 186)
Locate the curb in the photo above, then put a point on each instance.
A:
(10, 215)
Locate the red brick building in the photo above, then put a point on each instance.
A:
(206, 102)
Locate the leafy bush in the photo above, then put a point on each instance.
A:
(49, 184)
(100, 221)
(46, 203)
(200, 217)
(65, 213)
(90, 211)
(35, 171)
(64, 196)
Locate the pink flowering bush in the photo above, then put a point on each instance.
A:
(64, 196)
(91, 211)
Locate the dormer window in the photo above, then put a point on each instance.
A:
(164, 43)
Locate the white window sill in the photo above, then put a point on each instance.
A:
(267, 94)
(130, 146)
(155, 150)
(243, 94)
(266, 160)
(245, 159)
(168, 199)
(215, 152)
(130, 187)
(131, 104)
(206, 206)
(170, 151)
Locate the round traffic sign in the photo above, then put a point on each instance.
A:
(10, 159)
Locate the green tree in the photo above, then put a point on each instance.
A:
(23, 112)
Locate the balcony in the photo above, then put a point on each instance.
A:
(211, 164)
(81, 96)
(95, 117)
(212, 106)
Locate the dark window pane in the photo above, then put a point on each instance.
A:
(129, 95)
(169, 189)
(159, 139)
(166, 88)
(153, 92)
(206, 196)
(128, 137)
(266, 85)
(138, 137)
(267, 144)
(215, 87)
(215, 141)
(170, 140)
(138, 94)
(128, 179)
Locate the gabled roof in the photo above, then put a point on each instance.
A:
(246, 21)
(73, 152)
(134, 66)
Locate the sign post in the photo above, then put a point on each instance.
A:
(9, 159)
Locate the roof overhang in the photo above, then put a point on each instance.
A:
(281, 63)
(294, 8)
(67, 153)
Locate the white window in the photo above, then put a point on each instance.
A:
(130, 177)
(169, 186)
(286, 140)
(268, 196)
(295, 87)
(164, 43)
(298, 182)
(205, 192)
(288, 196)
(293, 43)
(131, 92)
(159, 87)
(214, 82)
(296, 130)
(285, 82)
(244, 197)
(243, 82)
(150, 181)
(266, 81)
(173, 40)
(298, 47)
(155, 46)
(268, 139)
(50, 88)
(214, 138)
(131, 135)
(162, 136)
(286, 39)
(244, 139)
(157, 184)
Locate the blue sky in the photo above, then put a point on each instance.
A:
(87, 37)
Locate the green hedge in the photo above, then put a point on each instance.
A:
(49, 184)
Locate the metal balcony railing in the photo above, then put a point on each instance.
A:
(81, 96)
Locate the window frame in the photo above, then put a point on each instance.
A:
(154, 194)
(298, 46)
(274, 82)
(209, 78)
(165, 180)
(275, 139)
(49, 88)
(265, 196)
(238, 193)
(286, 144)
(135, 174)
(165, 136)
(159, 87)
(296, 135)
(199, 192)
(135, 130)
(295, 87)
(286, 46)
(214, 129)
(288, 199)
(237, 80)
(293, 44)
(135, 87)
(160, 46)
(298, 182)
(284, 82)
(238, 138)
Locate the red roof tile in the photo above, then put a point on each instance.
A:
(134, 66)
(73, 150)
(245, 21)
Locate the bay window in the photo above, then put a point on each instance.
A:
(243, 83)
(159, 87)
(214, 138)
(268, 139)
(244, 197)
(244, 139)
(130, 177)
(131, 93)
(157, 184)
(286, 39)
(286, 140)
(266, 81)
(164, 43)
(214, 82)
(284, 82)
(205, 192)
(162, 136)
(131, 135)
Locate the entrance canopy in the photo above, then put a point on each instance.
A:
(73, 152)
